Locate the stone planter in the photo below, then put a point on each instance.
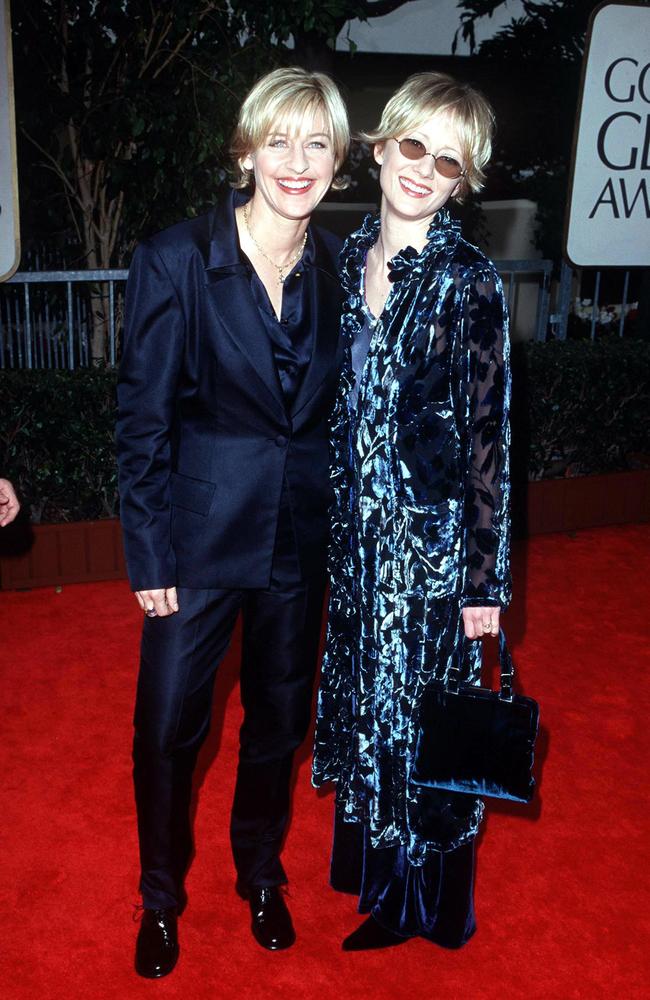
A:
(586, 502)
(42, 555)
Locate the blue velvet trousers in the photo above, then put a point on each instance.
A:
(179, 658)
(434, 900)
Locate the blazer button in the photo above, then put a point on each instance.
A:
(281, 441)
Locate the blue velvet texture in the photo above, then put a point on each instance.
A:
(477, 742)
(420, 525)
(434, 901)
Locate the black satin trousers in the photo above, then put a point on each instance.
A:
(179, 658)
(434, 900)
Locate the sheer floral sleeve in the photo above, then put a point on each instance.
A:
(487, 486)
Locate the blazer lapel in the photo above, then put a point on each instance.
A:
(235, 308)
(326, 297)
(229, 292)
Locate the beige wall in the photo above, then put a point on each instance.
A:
(511, 226)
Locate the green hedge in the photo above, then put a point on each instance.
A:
(578, 408)
(581, 407)
(57, 442)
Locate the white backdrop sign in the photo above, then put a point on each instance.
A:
(608, 219)
(9, 220)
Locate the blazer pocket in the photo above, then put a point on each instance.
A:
(191, 494)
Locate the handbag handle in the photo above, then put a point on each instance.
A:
(505, 662)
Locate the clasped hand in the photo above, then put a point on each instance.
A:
(158, 603)
(481, 621)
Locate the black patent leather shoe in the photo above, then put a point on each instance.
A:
(156, 950)
(270, 919)
(371, 935)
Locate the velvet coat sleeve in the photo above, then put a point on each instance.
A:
(487, 441)
(147, 390)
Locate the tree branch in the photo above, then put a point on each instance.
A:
(116, 207)
(118, 51)
(73, 216)
(181, 44)
(54, 164)
(379, 8)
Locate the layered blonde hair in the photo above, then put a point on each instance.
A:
(426, 94)
(285, 98)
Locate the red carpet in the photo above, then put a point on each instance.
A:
(562, 891)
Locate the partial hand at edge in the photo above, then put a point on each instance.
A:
(9, 505)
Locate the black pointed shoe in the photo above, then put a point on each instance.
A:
(156, 950)
(270, 919)
(369, 935)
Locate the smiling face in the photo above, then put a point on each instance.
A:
(294, 167)
(413, 190)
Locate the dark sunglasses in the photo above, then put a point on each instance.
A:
(447, 166)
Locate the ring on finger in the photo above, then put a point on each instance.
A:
(150, 612)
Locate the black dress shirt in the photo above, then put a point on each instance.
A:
(291, 333)
(291, 336)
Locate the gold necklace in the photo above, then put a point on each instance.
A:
(280, 268)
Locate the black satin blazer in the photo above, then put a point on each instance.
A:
(204, 439)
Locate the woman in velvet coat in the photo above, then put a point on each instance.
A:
(419, 550)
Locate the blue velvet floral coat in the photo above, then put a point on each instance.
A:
(420, 525)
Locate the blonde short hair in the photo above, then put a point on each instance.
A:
(427, 94)
(285, 97)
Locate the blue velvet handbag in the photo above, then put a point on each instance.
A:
(476, 740)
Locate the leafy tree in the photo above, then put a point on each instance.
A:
(128, 105)
(542, 51)
(558, 26)
(313, 25)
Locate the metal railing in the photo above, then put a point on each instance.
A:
(509, 269)
(565, 299)
(50, 322)
(48, 318)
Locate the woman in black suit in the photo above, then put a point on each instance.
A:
(229, 370)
